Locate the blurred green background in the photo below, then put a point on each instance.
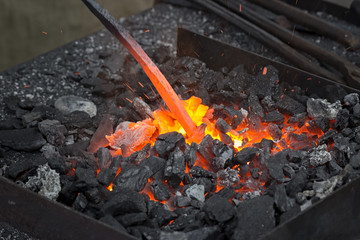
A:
(32, 27)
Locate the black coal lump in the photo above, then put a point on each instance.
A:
(323, 123)
(26, 139)
(19, 167)
(288, 105)
(222, 125)
(154, 163)
(190, 154)
(124, 200)
(296, 184)
(274, 131)
(282, 202)
(342, 119)
(167, 142)
(175, 168)
(219, 208)
(130, 219)
(254, 218)
(85, 177)
(184, 221)
(274, 117)
(104, 157)
(198, 171)
(245, 155)
(236, 116)
(275, 168)
(133, 177)
(106, 176)
(160, 190)
(355, 161)
(205, 148)
(162, 215)
(58, 163)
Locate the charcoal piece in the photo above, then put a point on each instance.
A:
(321, 173)
(197, 172)
(190, 154)
(19, 167)
(219, 149)
(104, 158)
(209, 184)
(11, 123)
(265, 144)
(26, 139)
(133, 177)
(356, 111)
(53, 131)
(355, 161)
(124, 200)
(254, 218)
(142, 108)
(245, 155)
(110, 220)
(323, 123)
(205, 148)
(274, 131)
(322, 108)
(98, 139)
(222, 125)
(75, 149)
(254, 122)
(162, 215)
(204, 233)
(226, 139)
(106, 176)
(80, 202)
(48, 112)
(196, 192)
(342, 143)
(236, 116)
(185, 222)
(227, 193)
(296, 184)
(174, 170)
(288, 105)
(255, 173)
(275, 168)
(274, 117)
(86, 177)
(106, 89)
(351, 99)
(139, 156)
(69, 104)
(160, 190)
(280, 198)
(342, 119)
(130, 219)
(288, 171)
(58, 163)
(228, 177)
(334, 167)
(328, 136)
(155, 164)
(219, 209)
(268, 104)
(181, 201)
(167, 142)
(76, 120)
(297, 118)
(319, 156)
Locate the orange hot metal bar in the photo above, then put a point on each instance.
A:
(157, 78)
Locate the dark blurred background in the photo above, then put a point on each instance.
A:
(32, 27)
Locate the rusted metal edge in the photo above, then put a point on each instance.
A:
(44, 219)
(217, 55)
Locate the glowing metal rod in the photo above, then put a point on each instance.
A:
(157, 78)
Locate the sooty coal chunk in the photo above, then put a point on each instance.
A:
(219, 209)
(204, 233)
(274, 117)
(190, 154)
(351, 99)
(130, 219)
(323, 123)
(86, 177)
(355, 161)
(123, 201)
(11, 123)
(162, 215)
(98, 139)
(275, 168)
(328, 136)
(104, 158)
(198, 172)
(223, 154)
(167, 142)
(155, 164)
(106, 176)
(222, 125)
(254, 218)
(80, 202)
(133, 177)
(274, 131)
(296, 184)
(342, 119)
(281, 200)
(58, 163)
(236, 116)
(75, 149)
(175, 168)
(245, 155)
(160, 190)
(53, 131)
(288, 105)
(19, 167)
(228, 177)
(26, 139)
(205, 148)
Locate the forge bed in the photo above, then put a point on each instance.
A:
(59, 72)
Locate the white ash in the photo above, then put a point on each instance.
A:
(322, 108)
(351, 99)
(69, 104)
(46, 182)
(319, 156)
(251, 195)
(324, 188)
(244, 112)
(306, 205)
(196, 192)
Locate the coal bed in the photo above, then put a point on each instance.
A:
(84, 126)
